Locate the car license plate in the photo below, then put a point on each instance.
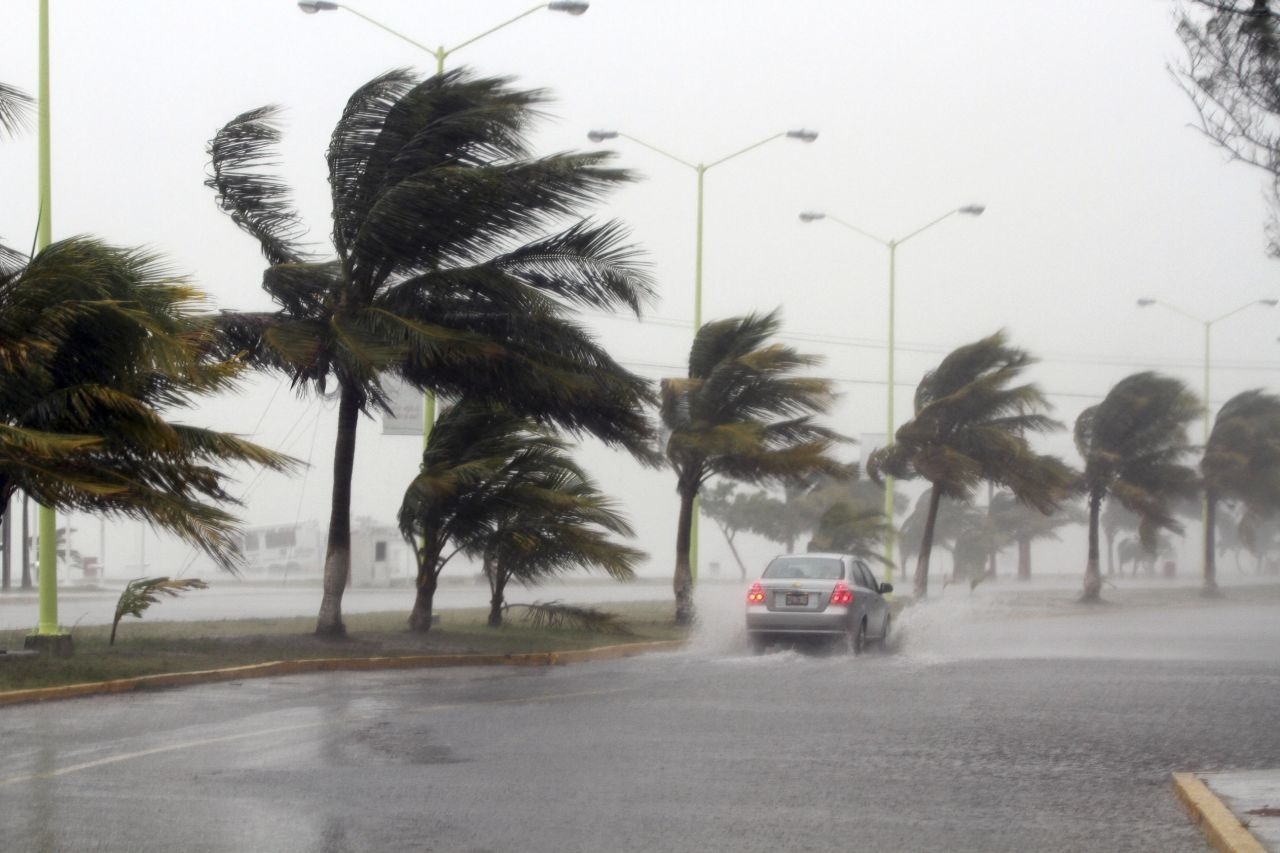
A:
(797, 598)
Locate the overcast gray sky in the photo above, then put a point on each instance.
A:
(1060, 117)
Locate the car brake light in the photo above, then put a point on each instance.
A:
(841, 594)
(755, 595)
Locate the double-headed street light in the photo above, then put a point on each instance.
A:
(892, 245)
(802, 134)
(571, 7)
(701, 169)
(1208, 324)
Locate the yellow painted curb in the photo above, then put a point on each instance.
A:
(1215, 820)
(293, 667)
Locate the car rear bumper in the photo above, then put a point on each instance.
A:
(833, 620)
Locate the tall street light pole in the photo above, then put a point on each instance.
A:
(48, 634)
(569, 7)
(701, 170)
(892, 245)
(1208, 324)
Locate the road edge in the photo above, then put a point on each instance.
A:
(305, 665)
(1219, 825)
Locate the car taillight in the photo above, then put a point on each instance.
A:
(755, 595)
(841, 594)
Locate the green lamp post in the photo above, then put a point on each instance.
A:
(48, 634)
(1208, 408)
(892, 245)
(701, 170)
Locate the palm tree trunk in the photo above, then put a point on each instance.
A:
(427, 581)
(497, 584)
(1210, 536)
(926, 545)
(682, 583)
(337, 561)
(1024, 559)
(26, 542)
(1092, 577)
(7, 532)
(1111, 553)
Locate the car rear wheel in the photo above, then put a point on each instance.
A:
(854, 640)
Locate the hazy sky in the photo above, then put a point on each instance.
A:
(1061, 117)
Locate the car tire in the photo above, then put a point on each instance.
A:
(854, 641)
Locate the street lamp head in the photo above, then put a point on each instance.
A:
(812, 215)
(803, 134)
(313, 6)
(572, 7)
(972, 209)
(601, 135)
(1145, 301)
(1270, 303)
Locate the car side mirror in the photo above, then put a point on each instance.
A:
(886, 587)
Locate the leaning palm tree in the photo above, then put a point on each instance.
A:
(971, 424)
(495, 486)
(1241, 463)
(97, 345)
(742, 414)
(449, 274)
(1133, 443)
(554, 521)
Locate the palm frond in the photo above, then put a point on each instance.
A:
(241, 157)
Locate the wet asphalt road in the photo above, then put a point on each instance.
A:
(975, 734)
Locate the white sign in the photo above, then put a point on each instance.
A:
(405, 417)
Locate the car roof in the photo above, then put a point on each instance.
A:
(826, 555)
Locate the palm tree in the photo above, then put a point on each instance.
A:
(970, 425)
(1241, 463)
(96, 344)
(494, 485)
(851, 528)
(1132, 444)
(556, 520)
(445, 275)
(1024, 525)
(743, 415)
(1115, 520)
(15, 109)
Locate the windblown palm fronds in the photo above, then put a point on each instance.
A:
(140, 593)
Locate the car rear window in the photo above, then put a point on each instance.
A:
(805, 568)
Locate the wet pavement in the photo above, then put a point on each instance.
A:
(980, 730)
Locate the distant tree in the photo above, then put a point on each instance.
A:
(1261, 536)
(952, 519)
(1116, 519)
(1231, 72)
(1133, 444)
(1241, 463)
(1023, 525)
(847, 528)
(735, 512)
(741, 414)
(971, 425)
(444, 277)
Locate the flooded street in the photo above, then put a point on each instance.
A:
(987, 727)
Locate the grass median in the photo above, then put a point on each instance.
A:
(151, 647)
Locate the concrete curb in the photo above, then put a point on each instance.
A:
(1215, 820)
(294, 667)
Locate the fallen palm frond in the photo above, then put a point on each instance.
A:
(557, 614)
(141, 593)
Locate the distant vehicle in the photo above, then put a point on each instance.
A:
(818, 596)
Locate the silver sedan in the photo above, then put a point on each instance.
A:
(818, 596)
